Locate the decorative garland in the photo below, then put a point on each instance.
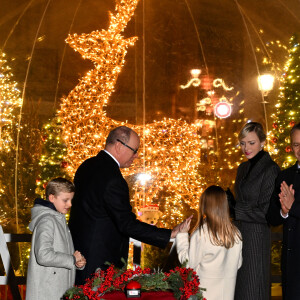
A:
(183, 282)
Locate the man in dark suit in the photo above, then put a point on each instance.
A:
(285, 209)
(101, 217)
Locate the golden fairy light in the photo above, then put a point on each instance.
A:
(10, 101)
(172, 147)
(170, 159)
(84, 121)
(287, 106)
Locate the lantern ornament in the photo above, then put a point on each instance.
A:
(223, 109)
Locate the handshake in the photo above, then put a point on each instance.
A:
(182, 227)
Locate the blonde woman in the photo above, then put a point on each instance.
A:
(214, 250)
(254, 184)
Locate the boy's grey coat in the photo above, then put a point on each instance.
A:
(51, 269)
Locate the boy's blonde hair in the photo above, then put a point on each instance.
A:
(214, 212)
(58, 185)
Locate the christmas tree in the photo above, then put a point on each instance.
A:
(10, 103)
(288, 106)
(19, 153)
(52, 162)
(16, 140)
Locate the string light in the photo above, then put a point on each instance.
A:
(52, 160)
(287, 107)
(173, 148)
(84, 121)
(10, 103)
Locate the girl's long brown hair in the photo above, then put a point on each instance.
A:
(214, 211)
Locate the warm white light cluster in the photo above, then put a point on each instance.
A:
(194, 82)
(85, 125)
(287, 112)
(170, 151)
(221, 105)
(171, 155)
(10, 101)
(218, 82)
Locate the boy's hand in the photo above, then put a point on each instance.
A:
(81, 263)
(80, 260)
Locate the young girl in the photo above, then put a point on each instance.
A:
(215, 248)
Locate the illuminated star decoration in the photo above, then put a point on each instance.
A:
(171, 147)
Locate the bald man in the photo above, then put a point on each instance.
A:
(101, 217)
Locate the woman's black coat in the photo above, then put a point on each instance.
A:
(253, 191)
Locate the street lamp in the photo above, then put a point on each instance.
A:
(265, 85)
(195, 73)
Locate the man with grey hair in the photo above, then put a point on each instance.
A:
(101, 218)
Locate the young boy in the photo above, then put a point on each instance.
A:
(53, 262)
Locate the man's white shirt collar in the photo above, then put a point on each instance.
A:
(113, 157)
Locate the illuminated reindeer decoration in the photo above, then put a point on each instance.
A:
(170, 149)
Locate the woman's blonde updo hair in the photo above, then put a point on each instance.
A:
(250, 127)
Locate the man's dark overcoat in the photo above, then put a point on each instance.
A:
(254, 186)
(101, 217)
(290, 259)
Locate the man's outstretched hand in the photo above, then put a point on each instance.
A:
(184, 225)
